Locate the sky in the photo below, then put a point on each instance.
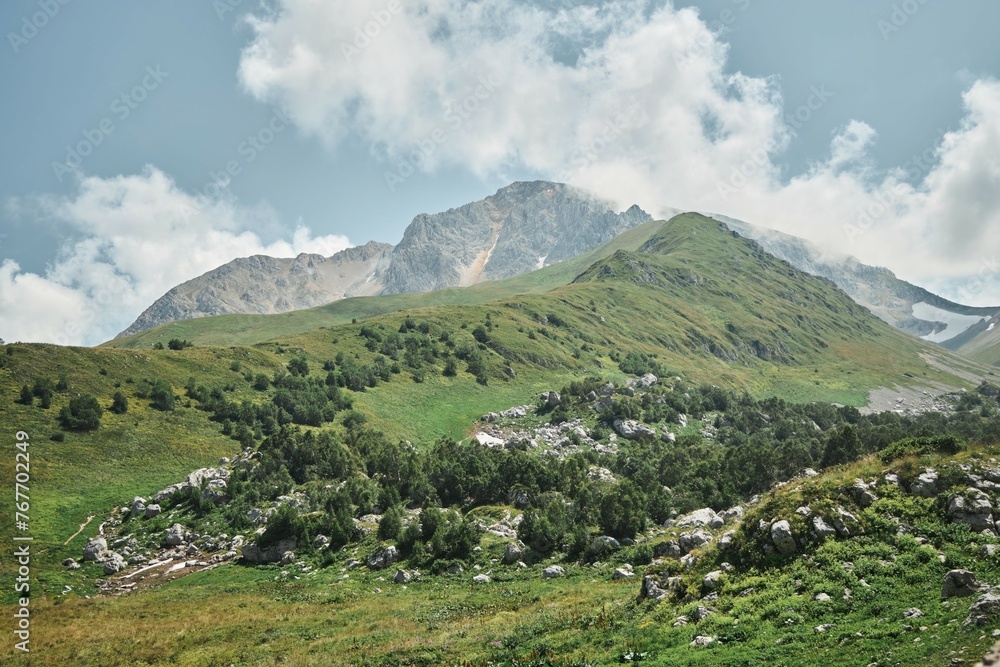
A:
(144, 144)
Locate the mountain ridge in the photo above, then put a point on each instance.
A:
(520, 228)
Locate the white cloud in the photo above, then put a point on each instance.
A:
(694, 136)
(136, 237)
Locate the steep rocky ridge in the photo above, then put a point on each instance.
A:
(523, 227)
(265, 285)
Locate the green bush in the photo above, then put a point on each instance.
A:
(942, 444)
(82, 414)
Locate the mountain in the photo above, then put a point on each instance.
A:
(523, 227)
(903, 305)
(263, 285)
(685, 373)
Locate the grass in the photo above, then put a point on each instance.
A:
(765, 614)
(251, 329)
(708, 305)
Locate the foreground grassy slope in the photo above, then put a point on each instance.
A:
(766, 609)
(250, 329)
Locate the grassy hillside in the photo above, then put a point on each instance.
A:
(984, 348)
(250, 329)
(838, 600)
(684, 298)
(707, 305)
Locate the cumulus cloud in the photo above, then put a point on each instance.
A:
(135, 237)
(631, 99)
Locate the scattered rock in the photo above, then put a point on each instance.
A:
(553, 571)
(712, 581)
(823, 628)
(174, 535)
(256, 555)
(823, 530)
(973, 508)
(604, 546)
(513, 552)
(382, 558)
(633, 430)
(455, 568)
(781, 535)
(959, 583)
(138, 506)
(624, 572)
(152, 510)
(699, 518)
(321, 542)
(287, 558)
(95, 549)
(986, 606)
(114, 563)
(404, 577)
(693, 539)
(821, 597)
(926, 484)
(700, 641)
(912, 612)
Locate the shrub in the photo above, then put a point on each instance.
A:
(943, 444)
(82, 414)
(162, 395)
(177, 344)
(119, 404)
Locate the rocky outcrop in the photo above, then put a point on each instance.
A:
(781, 535)
(255, 554)
(523, 227)
(264, 285)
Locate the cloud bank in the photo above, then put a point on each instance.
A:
(135, 237)
(631, 99)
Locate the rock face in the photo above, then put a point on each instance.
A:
(522, 227)
(973, 508)
(959, 583)
(262, 285)
(781, 535)
(252, 553)
(95, 549)
(382, 558)
(552, 572)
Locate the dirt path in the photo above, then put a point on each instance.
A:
(82, 526)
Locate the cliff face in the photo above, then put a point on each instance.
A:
(523, 227)
(262, 285)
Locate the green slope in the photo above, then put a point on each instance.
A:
(710, 306)
(984, 348)
(250, 329)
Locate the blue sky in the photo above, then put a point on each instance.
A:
(802, 116)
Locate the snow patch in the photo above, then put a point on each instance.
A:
(955, 324)
(541, 262)
(992, 324)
